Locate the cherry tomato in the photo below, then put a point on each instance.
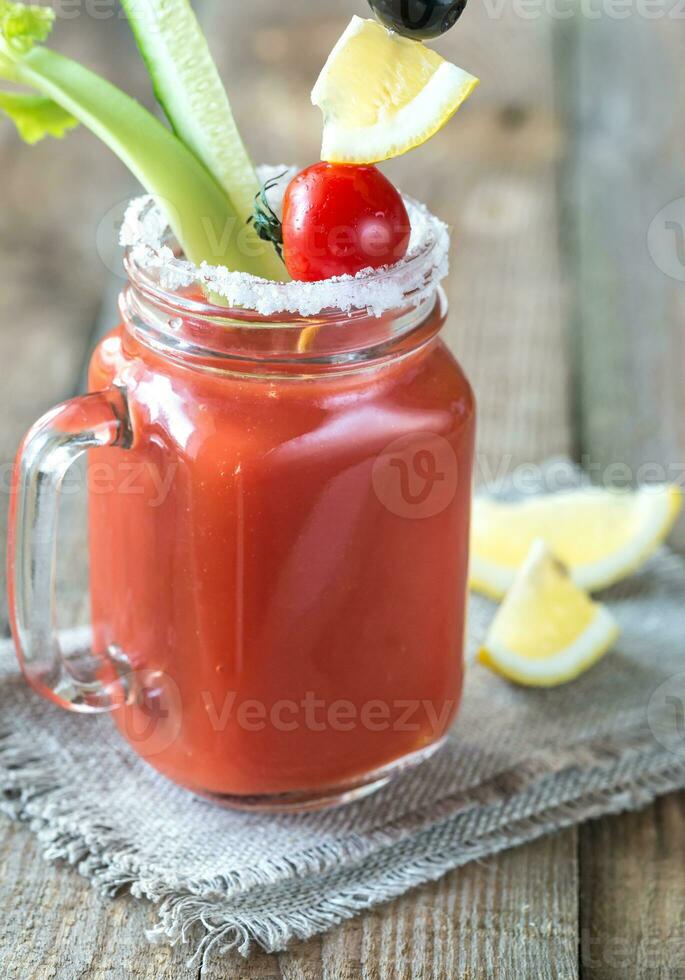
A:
(339, 219)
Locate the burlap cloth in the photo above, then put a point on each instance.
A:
(519, 763)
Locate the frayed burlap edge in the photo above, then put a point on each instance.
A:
(306, 894)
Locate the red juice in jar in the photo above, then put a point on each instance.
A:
(294, 557)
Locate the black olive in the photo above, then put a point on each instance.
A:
(418, 19)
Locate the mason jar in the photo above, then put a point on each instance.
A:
(278, 530)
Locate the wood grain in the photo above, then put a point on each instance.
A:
(56, 927)
(633, 894)
(628, 337)
(624, 167)
(510, 916)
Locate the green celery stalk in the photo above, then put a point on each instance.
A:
(202, 217)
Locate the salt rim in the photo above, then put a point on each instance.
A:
(145, 233)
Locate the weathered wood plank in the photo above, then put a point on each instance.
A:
(510, 916)
(633, 894)
(507, 917)
(624, 250)
(56, 926)
(629, 341)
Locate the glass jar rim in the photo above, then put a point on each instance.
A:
(155, 268)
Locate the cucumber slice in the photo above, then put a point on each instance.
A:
(189, 88)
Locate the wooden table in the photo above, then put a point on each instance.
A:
(574, 340)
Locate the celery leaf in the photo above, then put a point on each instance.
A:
(36, 116)
(22, 26)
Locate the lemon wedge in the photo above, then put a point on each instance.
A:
(382, 94)
(547, 631)
(600, 535)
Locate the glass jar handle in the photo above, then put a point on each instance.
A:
(73, 679)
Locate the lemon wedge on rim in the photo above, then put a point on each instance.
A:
(547, 631)
(600, 535)
(382, 94)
